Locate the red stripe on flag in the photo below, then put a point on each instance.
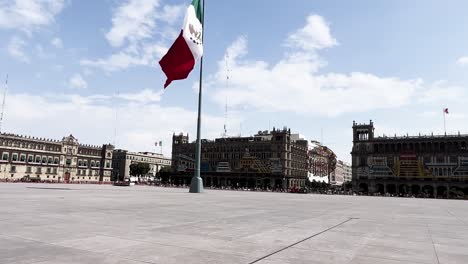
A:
(178, 61)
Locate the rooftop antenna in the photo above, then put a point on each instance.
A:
(225, 119)
(228, 77)
(3, 102)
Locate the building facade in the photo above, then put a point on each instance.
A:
(341, 174)
(347, 172)
(30, 158)
(430, 166)
(122, 159)
(269, 159)
(321, 162)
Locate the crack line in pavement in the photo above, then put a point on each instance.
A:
(298, 242)
(452, 214)
(433, 245)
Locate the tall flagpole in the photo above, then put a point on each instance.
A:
(196, 185)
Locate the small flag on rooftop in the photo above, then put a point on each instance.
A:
(187, 48)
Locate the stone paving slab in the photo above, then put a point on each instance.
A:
(56, 223)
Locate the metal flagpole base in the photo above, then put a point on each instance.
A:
(196, 185)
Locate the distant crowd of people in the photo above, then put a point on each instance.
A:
(336, 191)
(406, 195)
(52, 181)
(326, 191)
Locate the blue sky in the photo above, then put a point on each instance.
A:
(90, 68)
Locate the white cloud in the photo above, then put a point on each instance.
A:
(148, 54)
(144, 96)
(237, 49)
(57, 42)
(92, 119)
(134, 25)
(171, 13)
(115, 62)
(27, 15)
(132, 21)
(16, 49)
(442, 92)
(87, 72)
(463, 61)
(42, 53)
(136, 20)
(77, 81)
(294, 84)
(313, 36)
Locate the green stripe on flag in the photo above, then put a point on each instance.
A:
(197, 4)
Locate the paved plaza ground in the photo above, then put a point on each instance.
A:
(62, 224)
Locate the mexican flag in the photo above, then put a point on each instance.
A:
(188, 47)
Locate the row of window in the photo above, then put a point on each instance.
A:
(90, 172)
(78, 178)
(84, 163)
(240, 148)
(390, 160)
(238, 155)
(84, 178)
(46, 147)
(19, 144)
(38, 170)
(152, 160)
(15, 157)
(30, 158)
(88, 152)
(429, 146)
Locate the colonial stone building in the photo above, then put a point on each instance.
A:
(341, 174)
(31, 158)
(321, 161)
(347, 171)
(122, 159)
(269, 159)
(427, 165)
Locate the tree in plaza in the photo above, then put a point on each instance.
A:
(166, 169)
(164, 173)
(139, 169)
